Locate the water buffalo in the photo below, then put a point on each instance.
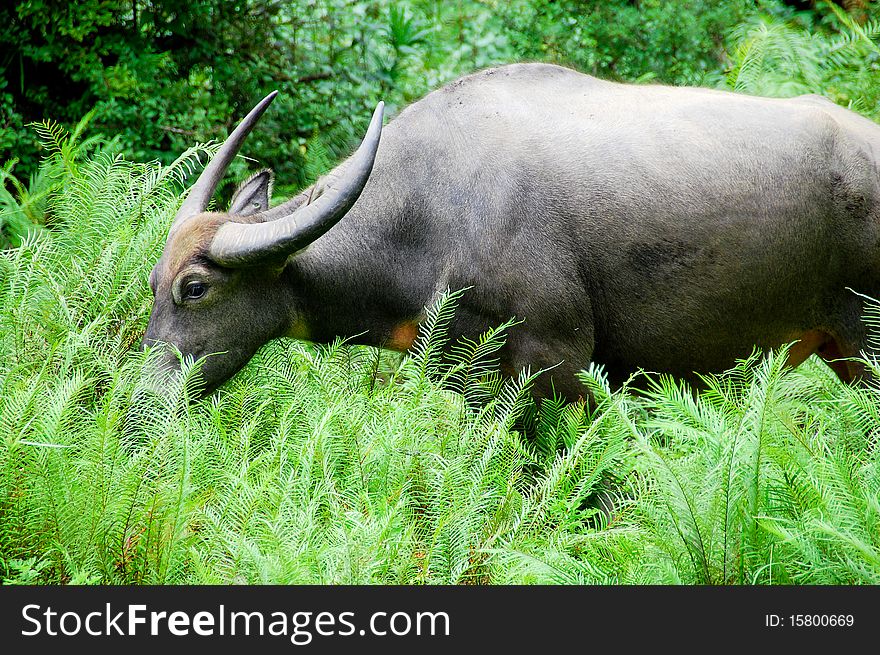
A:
(638, 226)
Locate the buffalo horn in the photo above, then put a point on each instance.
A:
(200, 193)
(261, 238)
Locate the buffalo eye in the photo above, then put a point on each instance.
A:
(195, 291)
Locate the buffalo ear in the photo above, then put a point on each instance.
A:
(252, 196)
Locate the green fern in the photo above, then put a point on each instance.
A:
(776, 58)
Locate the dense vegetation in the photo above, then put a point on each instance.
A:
(345, 464)
(164, 73)
(160, 75)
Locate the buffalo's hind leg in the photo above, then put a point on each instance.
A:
(563, 361)
(839, 353)
(560, 361)
(839, 356)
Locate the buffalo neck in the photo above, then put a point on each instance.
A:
(361, 281)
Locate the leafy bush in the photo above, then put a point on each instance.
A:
(164, 74)
(781, 59)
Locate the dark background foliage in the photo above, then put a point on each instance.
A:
(163, 74)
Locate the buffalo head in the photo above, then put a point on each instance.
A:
(218, 287)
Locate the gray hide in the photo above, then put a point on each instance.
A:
(669, 229)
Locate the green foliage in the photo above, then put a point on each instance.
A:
(785, 58)
(342, 464)
(625, 40)
(26, 210)
(164, 74)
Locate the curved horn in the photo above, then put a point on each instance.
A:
(245, 244)
(200, 193)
